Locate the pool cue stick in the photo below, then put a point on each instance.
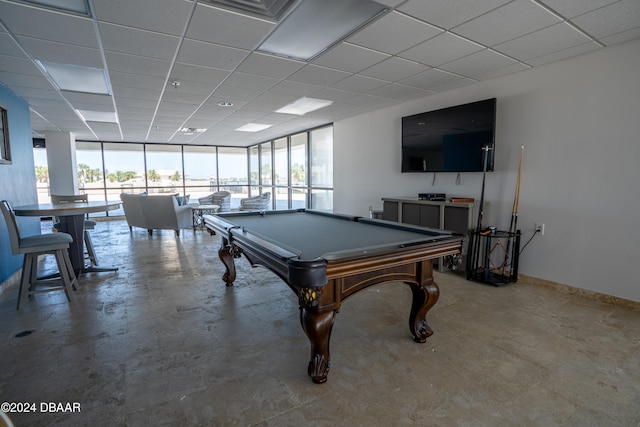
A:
(475, 249)
(516, 201)
(484, 175)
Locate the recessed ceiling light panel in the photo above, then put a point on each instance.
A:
(98, 116)
(304, 105)
(76, 6)
(192, 131)
(315, 25)
(253, 127)
(77, 78)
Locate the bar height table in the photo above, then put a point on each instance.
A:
(72, 221)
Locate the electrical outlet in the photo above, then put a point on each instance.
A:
(540, 228)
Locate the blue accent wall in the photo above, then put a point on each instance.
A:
(17, 180)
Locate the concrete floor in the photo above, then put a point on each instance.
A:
(163, 342)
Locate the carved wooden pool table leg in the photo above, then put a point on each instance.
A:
(226, 255)
(424, 297)
(318, 328)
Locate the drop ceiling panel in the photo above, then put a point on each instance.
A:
(540, 43)
(137, 65)
(117, 38)
(357, 83)
(393, 32)
(228, 28)
(332, 94)
(507, 22)
(169, 17)
(40, 96)
(573, 8)
(478, 63)
(316, 75)
(176, 108)
(441, 49)
(564, 53)
(397, 91)
(271, 66)
(621, 37)
(46, 25)
(24, 80)
(250, 81)
(351, 58)
(190, 87)
(137, 81)
(198, 73)
(60, 53)
(394, 69)
(211, 55)
(12, 64)
(613, 19)
(430, 79)
(236, 95)
(296, 89)
(122, 93)
(269, 102)
(492, 73)
(193, 99)
(9, 47)
(446, 13)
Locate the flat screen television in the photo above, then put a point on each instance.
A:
(450, 139)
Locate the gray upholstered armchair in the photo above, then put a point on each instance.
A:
(220, 198)
(256, 203)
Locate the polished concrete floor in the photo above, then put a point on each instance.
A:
(163, 342)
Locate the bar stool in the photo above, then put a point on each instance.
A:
(34, 246)
(88, 223)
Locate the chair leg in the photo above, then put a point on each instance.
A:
(90, 250)
(25, 280)
(71, 274)
(33, 273)
(64, 274)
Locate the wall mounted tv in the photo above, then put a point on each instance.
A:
(450, 139)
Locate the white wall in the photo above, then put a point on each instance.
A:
(579, 121)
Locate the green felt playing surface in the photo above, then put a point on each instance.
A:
(313, 236)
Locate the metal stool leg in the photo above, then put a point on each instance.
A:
(90, 250)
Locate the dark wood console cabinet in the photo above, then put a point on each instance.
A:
(458, 217)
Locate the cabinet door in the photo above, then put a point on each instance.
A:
(430, 216)
(390, 211)
(456, 219)
(411, 213)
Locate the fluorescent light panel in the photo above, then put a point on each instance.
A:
(77, 6)
(98, 116)
(315, 25)
(192, 131)
(304, 105)
(253, 127)
(77, 78)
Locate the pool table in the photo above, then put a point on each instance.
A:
(326, 258)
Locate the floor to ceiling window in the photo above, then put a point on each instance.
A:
(321, 166)
(107, 169)
(233, 174)
(200, 170)
(281, 168)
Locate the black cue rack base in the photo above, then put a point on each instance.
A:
(492, 257)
